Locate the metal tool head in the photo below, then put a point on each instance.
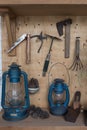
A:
(40, 36)
(53, 37)
(19, 40)
(67, 21)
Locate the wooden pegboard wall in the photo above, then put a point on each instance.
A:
(34, 25)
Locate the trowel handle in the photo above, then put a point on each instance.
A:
(28, 49)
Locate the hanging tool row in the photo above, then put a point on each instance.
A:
(77, 64)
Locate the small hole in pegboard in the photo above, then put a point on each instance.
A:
(50, 74)
(63, 75)
(38, 24)
(75, 27)
(86, 40)
(38, 62)
(76, 75)
(76, 24)
(26, 24)
(16, 60)
(18, 28)
(75, 87)
(51, 24)
(39, 99)
(38, 74)
(84, 45)
(34, 26)
(63, 50)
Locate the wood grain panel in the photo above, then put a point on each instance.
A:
(34, 25)
(47, 9)
(3, 2)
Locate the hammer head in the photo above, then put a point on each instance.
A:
(41, 37)
(53, 37)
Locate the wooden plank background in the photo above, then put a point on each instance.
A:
(15, 2)
(47, 24)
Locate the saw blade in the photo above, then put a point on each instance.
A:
(19, 40)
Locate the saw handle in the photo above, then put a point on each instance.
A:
(28, 49)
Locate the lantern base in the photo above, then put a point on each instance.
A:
(14, 115)
(58, 110)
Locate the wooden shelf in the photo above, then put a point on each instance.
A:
(20, 2)
(51, 123)
(44, 7)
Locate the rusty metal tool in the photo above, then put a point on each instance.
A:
(67, 23)
(77, 64)
(19, 40)
(47, 60)
(41, 38)
(28, 46)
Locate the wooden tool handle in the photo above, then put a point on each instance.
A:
(9, 31)
(28, 50)
(67, 41)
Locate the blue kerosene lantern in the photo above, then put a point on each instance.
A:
(58, 97)
(15, 96)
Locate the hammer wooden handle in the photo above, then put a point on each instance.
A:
(28, 49)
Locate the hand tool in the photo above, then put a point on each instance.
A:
(28, 49)
(76, 102)
(59, 26)
(77, 64)
(41, 38)
(74, 110)
(28, 44)
(19, 40)
(9, 32)
(85, 116)
(47, 60)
